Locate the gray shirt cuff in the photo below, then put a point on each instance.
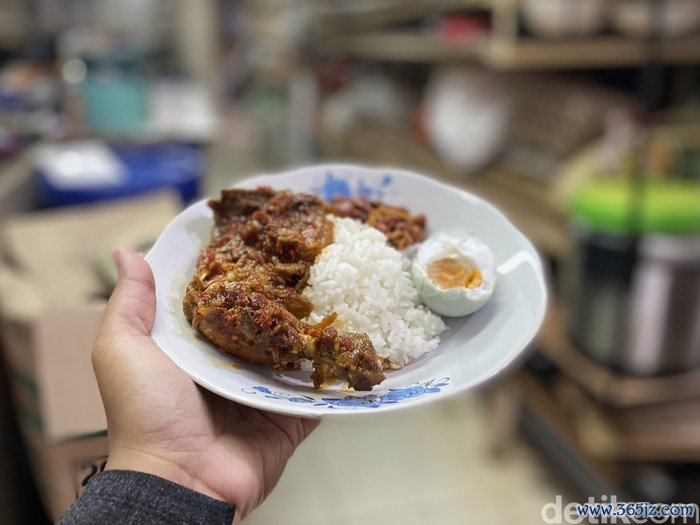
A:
(122, 496)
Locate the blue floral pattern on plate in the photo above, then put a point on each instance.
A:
(336, 186)
(394, 395)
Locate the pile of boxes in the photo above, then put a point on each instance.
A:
(55, 277)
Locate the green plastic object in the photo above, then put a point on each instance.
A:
(671, 207)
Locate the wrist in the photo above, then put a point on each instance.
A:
(139, 461)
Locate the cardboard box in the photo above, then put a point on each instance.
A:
(61, 469)
(53, 288)
(46, 386)
(51, 374)
(52, 298)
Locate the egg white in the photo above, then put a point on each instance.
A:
(469, 252)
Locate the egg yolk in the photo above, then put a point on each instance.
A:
(448, 273)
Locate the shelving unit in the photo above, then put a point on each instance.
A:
(606, 385)
(353, 32)
(614, 416)
(548, 425)
(520, 54)
(398, 46)
(595, 53)
(367, 15)
(655, 433)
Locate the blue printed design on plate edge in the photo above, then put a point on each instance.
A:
(394, 395)
(334, 185)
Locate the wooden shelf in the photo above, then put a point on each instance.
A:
(661, 432)
(600, 436)
(366, 15)
(510, 54)
(600, 52)
(396, 46)
(548, 410)
(360, 30)
(606, 385)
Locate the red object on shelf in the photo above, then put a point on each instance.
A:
(461, 28)
(334, 74)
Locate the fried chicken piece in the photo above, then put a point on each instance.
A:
(400, 227)
(245, 296)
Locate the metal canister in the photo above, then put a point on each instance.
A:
(633, 293)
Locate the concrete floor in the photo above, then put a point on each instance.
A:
(428, 465)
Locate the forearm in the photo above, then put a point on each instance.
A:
(120, 496)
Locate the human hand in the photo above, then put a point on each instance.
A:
(160, 422)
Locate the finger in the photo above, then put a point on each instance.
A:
(132, 306)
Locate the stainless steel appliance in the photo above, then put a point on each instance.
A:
(634, 296)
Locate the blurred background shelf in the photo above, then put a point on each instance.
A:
(550, 426)
(661, 432)
(600, 52)
(491, 32)
(607, 385)
(364, 15)
(518, 55)
(397, 46)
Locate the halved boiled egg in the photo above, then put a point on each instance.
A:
(454, 273)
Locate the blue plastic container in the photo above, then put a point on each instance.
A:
(149, 168)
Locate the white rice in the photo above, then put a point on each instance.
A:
(368, 284)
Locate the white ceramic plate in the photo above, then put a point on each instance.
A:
(473, 350)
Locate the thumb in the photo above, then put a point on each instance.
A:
(132, 306)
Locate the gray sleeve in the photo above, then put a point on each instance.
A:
(121, 496)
